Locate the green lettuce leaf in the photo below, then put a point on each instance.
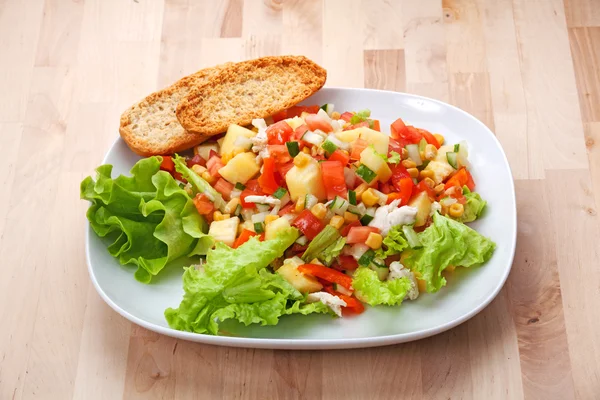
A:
(235, 284)
(447, 242)
(147, 216)
(394, 158)
(360, 116)
(394, 243)
(332, 251)
(199, 185)
(371, 290)
(473, 207)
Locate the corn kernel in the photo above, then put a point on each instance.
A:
(422, 285)
(430, 152)
(270, 218)
(439, 138)
(300, 204)
(314, 151)
(414, 173)
(456, 210)
(208, 177)
(335, 115)
(225, 158)
(232, 205)
(217, 216)
(319, 210)
(360, 189)
(370, 198)
(409, 164)
(422, 154)
(439, 188)
(404, 154)
(429, 182)
(199, 169)
(306, 150)
(426, 174)
(336, 221)
(301, 160)
(374, 240)
(350, 217)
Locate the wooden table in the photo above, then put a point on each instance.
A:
(529, 69)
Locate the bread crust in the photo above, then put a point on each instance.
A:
(247, 90)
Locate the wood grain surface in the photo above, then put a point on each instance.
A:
(529, 69)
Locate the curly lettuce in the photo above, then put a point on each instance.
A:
(235, 284)
(149, 219)
(394, 243)
(447, 242)
(473, 207)
(373, 291)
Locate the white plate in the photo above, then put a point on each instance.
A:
(468, 290)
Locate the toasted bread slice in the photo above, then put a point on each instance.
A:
(247, 90)
(150, 127)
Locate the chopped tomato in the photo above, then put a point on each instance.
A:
(315, 122)
(333, 179)
(341, 156)
(347, 116)
(359, 125)
(300, 131)
(422, 187)
(385, 188)
(279, 133)
(203, 204)
(243, 238)
(347, 263)
(359, 234)
(429, 138)
(398, 128)
(287, 209)
(394, 146)
(296, 111)
(212, 154)
(167, 164)
(329, 274)
(357, 147)
(245, 193)
(254, 186)
(403, 183)
(213, 165)
(346, 229)
(405, 134)
(461, 178)
(376, 125)
(456, 193)
(196, 160)
(283, 169)
(267, 181)
(281, 115)
(279, 152)
(224, 187)
(308, 224)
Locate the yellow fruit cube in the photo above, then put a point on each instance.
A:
(241, 168)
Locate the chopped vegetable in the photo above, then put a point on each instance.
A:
(293, 148)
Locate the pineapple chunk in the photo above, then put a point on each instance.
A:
(303, 283)
(204, 149)
(441, 170)
(295, 122)
(441, 153)
(233, 133)
(348, 136)
(380, 141)
(275, 227)
(240, 168)
(225, 230)
(422, 203)
(306, 180)
(371, 159)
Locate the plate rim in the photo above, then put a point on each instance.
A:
(323, 344)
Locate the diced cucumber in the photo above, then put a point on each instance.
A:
(365, 173)
(366, 258)
(366, 219)
(352, 197)
(328, 108)
(339, 205)
(280, 192)
(259, 227)
(313, 138)
(422, 145)
(310, 201)
(414, 153)
(457, 147)
(238, 210)
(293, 148)
(463, 155)
(302, 240)
(329, 146)
(452, 159)
(411, 237)
(240, 186)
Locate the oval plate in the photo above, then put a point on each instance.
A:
(468, 290)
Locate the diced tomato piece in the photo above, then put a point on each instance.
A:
(308, 224)
(296, 111)
(376, 125)
(394, 146)
(461, 178)
(203, 204)
(287, 209)
(279, 152)
(347, 116)
(300, 131)
(245, 193)
(403, 183)
(341, 156)
(347, 263)
(315, 122)
(429, 138)
(359, 234)
(357, 147)
(212, 154)
(358, 125)
(254, 186)
(243, 238)
(196, 160)
(214, 164)
(346, 229)
(385, 188)
(329, 274)
(167, 164)
(279, 133)
(353, 305)
(281, 115)
(404, 134)
(422, 187)
(333, 179)
(267, 180)
(224, 187)
(261, 237)
(179, 177)
(398, 128)
(283, 169)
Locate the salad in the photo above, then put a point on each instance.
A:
(310, 211)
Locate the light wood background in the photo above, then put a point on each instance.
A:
(529, 69)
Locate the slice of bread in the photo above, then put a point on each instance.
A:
(150, 127)
(247, 90)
